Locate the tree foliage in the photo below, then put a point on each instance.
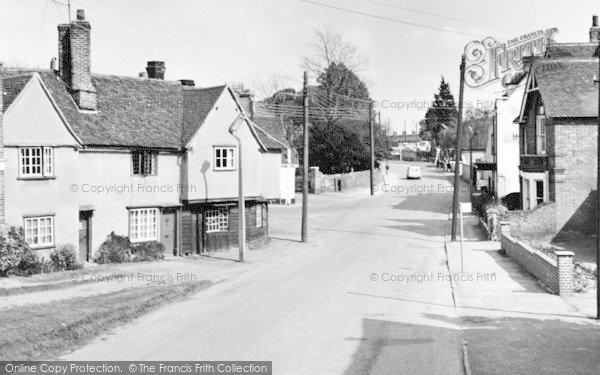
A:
(439, 125)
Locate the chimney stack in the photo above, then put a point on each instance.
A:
(74, 54)
(156, 69)
(595, 30)
(246, 98)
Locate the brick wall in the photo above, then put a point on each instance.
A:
(321, 183)
(557, 274)
(572, 164)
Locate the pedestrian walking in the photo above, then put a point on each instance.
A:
(387, 167)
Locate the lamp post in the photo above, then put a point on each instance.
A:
(235, 126)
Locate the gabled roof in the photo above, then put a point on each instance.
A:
(567, 86)
(132, 112)
(271, 133)
(12, 85)
(198, 103)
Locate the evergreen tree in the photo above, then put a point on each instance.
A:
(439, 125)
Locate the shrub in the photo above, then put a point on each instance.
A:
(148, 251)
(12, 247)
(29, 264)
(64, 258)
(115, 249)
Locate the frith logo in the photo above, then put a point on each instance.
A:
(489, 60)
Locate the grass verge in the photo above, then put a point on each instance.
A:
(45, 331)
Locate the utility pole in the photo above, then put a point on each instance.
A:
(597, 81)
(241, 202)
(305, 161)
(457, 150)
(405, 134)
(372, 136)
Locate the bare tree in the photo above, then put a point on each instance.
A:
(328, 48)
(266, 85)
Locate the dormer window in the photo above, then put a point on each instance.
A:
(144, 163)
(36, 162)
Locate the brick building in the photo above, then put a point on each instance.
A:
(558, 135)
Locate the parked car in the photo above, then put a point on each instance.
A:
(413, 172)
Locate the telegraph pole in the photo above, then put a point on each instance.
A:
(457, 150)
(305, 161)
(372, 136)
(597, 81)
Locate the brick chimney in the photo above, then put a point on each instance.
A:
(156, 69)
(246, 98)
(75, 61)
(595, 30)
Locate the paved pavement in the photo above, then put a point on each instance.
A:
(511, 324)
(332, 306)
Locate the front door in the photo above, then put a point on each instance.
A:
(168, 234)
(85, 237)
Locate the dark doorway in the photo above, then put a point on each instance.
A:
(85, 235)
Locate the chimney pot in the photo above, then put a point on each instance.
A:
(53, 64)
(595, 30)
(156, 69)
(80, 14)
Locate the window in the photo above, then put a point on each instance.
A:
(36, 162)
(259, 215)
(39, 231)
(224, 158)
(216, 220)
(144, 163)
(540, 132)
(143, 224)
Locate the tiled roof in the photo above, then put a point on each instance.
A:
(198, 103)
(271, 133)
(12, 85)
(567, 86)
(132, 112)
(556, 50)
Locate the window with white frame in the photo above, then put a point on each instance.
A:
(216, 220)
(143, 224)
(259, 215)
(540, 132)
(36, 162)
(39, 231)
(224, 158)
(144, 163)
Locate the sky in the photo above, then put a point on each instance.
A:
(410, 44)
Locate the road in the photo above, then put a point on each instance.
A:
(330, 306)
